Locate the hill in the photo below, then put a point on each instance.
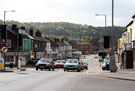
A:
(74, 31)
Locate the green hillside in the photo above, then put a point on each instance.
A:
(71, 30)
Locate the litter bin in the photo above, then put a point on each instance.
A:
(11, 65)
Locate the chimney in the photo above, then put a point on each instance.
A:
(22, 27)
(38, 34)
(14, 27)
(31, 31)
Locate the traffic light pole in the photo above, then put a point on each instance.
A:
(17, 49)
(112, 58)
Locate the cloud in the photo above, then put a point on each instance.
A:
(76, 11)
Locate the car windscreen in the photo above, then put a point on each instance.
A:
(59, 61)
(44, 60)
(85, 63)
(106, 61)
(71, 61)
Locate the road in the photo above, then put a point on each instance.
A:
(58, 80)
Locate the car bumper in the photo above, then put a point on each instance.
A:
(71, 68)
(43, 67)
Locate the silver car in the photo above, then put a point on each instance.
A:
(45, 63)
(85, 65)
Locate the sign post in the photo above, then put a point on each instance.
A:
(4, 50)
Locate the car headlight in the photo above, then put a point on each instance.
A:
(65, 65)
(37, 64)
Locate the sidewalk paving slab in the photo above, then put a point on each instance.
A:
(120, 74)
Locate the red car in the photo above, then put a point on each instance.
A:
(59, 64)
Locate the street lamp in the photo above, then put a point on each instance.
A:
(105, 23)
(6, 34)
(102, 15)
(5, 14)
(100, 32)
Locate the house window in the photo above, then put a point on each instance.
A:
(130, 35)
(9, 43)
(128, 38)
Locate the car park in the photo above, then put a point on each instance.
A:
(59, 64)
(72, 64)
(45, 63)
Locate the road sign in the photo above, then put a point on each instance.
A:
(26, 44)
(4, 49)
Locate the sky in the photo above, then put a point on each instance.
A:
(73, 11)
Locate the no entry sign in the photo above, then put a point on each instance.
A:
(4, 49)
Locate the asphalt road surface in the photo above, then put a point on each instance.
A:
(58, 80)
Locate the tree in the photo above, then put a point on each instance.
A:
(64, 37)
(85, 38)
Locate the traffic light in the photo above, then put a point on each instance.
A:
(106, 41)
(3, 34)
(20, 39)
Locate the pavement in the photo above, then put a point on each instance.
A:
(121, 74)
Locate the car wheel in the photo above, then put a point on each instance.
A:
(64, 69)
(103, 68)
(87, 68)
(67, 70)
(49, 69)
(36, 68)
(53, 69)
(41, 69)
(78, 70)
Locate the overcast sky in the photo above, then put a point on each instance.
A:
(74, 11)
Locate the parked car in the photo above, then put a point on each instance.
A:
(45, 63)
(81, 64)
(85, 65)
(106, 64)
(72, 64)
(59, 64)
(96, 57)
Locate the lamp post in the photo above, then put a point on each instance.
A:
(102, 15)
(105, 23)
(6, 34)
(5, 15)
(100, 34)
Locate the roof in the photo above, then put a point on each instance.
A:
(83, 43)
(133, 16)
(29, 36)
(12, 31)
(129, 24)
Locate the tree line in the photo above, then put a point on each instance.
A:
(70, 30)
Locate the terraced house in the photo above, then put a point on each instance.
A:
(126, 46)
